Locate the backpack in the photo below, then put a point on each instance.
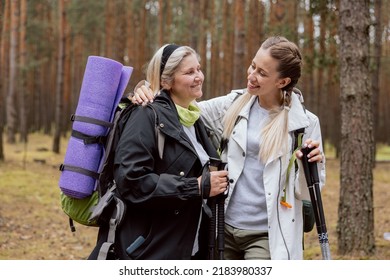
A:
(103, 206)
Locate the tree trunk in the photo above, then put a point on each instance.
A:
(239, 72)
(1, 87)
(110, 28)
(2, 157)
(131, 47)
(67, 81)
(48, 77)
(384, 84)
(375, 66)
(142, 32)
(307, 80)
(168, 21)
(214, 60)
(254, 30)
(4, 13)
(60, 76)
(226, 67)
(202, 43)
(319, 93)
(334, 85)
(161, 22)
(11, 97)
(120, 31)
(78, 69)
(355, 227)
(23, 92)
(194, 23)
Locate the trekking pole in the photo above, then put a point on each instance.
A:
(221, 226)
(217, 222)
(312, 179)
(212, 229)
(214, 163)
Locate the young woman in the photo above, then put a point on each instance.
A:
(163, 191)
(264, 209)
(263, 218)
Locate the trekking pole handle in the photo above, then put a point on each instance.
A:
(310, 168)
(216, 164)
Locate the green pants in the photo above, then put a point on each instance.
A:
(243, 244)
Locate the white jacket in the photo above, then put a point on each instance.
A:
(285, 225)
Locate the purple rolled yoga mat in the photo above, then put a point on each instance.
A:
(88, 157)
(102, 88)
(103, 85)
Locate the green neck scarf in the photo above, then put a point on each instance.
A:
(188, 117)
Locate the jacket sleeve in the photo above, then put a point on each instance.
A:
(213, 111)
(134, 167)
(313, 132)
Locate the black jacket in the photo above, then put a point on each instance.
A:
(163, 203)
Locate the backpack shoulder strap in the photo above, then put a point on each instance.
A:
(159, 135)
(122, 112)
(114, 221)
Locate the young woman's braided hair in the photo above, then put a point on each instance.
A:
(274, 134)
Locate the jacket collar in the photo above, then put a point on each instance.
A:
(244, 113)
(296, 117)
(168, 116)
(170, 125)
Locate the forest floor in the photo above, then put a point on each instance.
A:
(33, 226)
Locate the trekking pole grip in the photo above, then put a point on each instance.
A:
(309, 167)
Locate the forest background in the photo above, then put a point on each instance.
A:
(44, 46)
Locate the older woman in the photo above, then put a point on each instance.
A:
(164, 192)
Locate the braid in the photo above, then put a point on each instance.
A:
(287, 98)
